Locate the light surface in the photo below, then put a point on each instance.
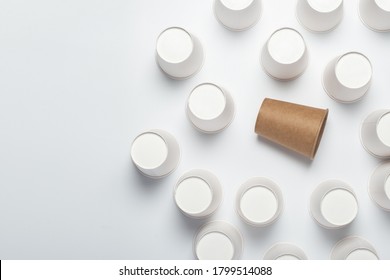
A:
(387, 187)
(339, 207)
(324, 6)
(353, 70)
(383, 4)
(207, 102)
(259, 204)
(236, 4)
(286, 46)
(215, 246)
(193, 195)
(287, 258)
(362, 254)
(79, 81)
(383, 129)
(149, 150)
(174, 45)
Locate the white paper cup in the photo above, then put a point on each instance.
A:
(155, 153)
(179, 53)
(379, 186)
(353, 248)
(218, 240)
(347, 78)
(198, 193)
(210, 108)
(285, 55)
(375, 134)
(259, 202)
(285, 251)
(320, 15)
(333, 204)
(237, 15)
(375, 14)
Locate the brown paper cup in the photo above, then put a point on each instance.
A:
(296, 127)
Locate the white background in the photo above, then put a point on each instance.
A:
(78, 82)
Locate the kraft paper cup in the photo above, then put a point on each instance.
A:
(179, 53)
(333, 204)
(347, 78)
(375, 134)
(155, 153)
(353, 248)
(237, 15)
(285, 55)
(198, 193)
(259, 202)
(379, 186)
(320, 15)
(218, 240)
(285, 251)
(375, 14)
(296, 127)
(210, 108)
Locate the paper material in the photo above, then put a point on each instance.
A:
(296, 127)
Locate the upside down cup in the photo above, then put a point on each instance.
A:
(285, 251)
(210, 108)
(353, 248)
(320, 15)
(296, 127)
(347, 77)
(198, 193)
(284, 56)
(155, 153)
(375, 134)
(218, 240)
(333, 204)
(179, 53)
(259, 202)
(237, 15)
(379, 186)
(375, 14)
